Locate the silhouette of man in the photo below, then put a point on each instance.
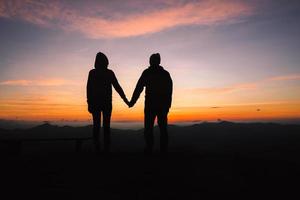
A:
(99, 98)
(158, 100)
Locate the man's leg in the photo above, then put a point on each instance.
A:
(96, 130)
(148, 130)
(106, 129)
(162, 120)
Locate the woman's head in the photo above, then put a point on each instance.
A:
(101, 61)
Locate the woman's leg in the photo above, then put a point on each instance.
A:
(106, 129)
(96, 130)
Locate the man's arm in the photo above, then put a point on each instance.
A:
(170, 90)
(138, 89)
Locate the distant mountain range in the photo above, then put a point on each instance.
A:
(224, 137)
(24, 124)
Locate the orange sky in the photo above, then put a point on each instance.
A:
(229, 60)
(63, 108)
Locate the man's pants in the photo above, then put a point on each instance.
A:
(162, 120)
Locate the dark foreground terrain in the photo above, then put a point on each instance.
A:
(215, 159)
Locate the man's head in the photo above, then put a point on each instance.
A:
(154, 59)
(101, 61)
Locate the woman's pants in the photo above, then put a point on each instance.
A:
(106, 114)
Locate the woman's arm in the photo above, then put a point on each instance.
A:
(89, 90)
(118, 88)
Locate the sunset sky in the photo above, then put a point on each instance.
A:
(230, 60)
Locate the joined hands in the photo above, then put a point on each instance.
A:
(129, 103)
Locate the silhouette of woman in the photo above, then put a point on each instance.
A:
(99, 98)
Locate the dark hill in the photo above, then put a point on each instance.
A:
(227, 159)
(225, 137)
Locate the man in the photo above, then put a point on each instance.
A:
(158, 100)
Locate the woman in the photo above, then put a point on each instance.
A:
(99, 98)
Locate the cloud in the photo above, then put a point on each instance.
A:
(100, 21)
(285, 78)
(215, 107)
(219, 90)
(45, 82)
(244, 86)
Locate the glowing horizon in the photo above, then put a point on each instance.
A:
(229, 60)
